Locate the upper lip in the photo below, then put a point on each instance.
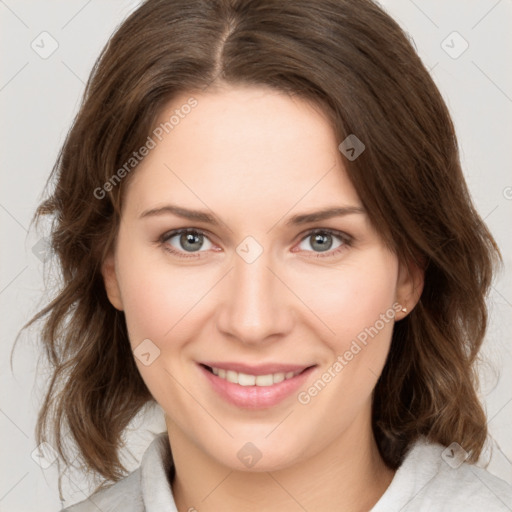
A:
(259, 369)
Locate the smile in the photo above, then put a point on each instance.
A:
(256, 387)
(245, 379)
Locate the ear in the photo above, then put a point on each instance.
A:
(108, 271)
(411, 278)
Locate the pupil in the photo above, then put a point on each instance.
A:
(190, 238)
(324, 246)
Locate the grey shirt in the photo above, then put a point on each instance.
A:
(430, 479)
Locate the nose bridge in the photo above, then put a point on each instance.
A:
(255, 307)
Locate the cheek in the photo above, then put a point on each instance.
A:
(351, 298)
(358, 307)
(156, 301)
(147, 310)
(151, 294)
(161, 301)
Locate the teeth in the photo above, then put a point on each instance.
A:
(244, 379)
(263, 380)
(232, 376)
(279, 377)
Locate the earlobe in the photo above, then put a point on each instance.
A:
(410, 282)
(108, 271)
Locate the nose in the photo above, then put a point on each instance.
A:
(255, 307)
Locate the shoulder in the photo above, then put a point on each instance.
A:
(146, 488)
(123, 495)
(433, 477)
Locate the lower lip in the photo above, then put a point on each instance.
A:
(255, 397)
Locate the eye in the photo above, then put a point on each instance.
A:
(188, 242)
(321, 240)
(183, 241)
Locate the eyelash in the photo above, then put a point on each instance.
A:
(344, 237)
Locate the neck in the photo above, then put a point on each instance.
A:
(348, 474)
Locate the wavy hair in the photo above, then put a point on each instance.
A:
(354, 61)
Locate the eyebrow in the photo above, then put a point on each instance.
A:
(296, 220)
(196, 215)
(326, 213)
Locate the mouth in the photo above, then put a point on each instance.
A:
(255, 387)
(253, 379)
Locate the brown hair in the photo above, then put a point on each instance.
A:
(350, 58)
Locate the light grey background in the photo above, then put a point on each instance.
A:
(38, 100)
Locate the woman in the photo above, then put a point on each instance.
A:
(264, 228)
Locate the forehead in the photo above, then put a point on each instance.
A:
(249, 149)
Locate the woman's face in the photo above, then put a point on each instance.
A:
(263, 288)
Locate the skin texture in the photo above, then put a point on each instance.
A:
(254, 157)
